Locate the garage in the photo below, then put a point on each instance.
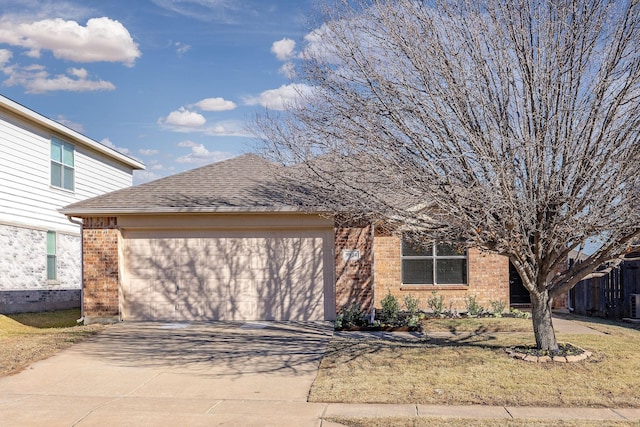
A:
(203, 274)
(225, 241)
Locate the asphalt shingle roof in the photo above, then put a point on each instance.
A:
(244, 183)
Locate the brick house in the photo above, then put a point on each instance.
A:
(43, 167)
(218, 242)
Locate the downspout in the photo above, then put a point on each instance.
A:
(81, 224)
(373, 276)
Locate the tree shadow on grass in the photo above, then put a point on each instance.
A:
(348, 349)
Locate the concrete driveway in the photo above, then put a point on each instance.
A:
(174, 374)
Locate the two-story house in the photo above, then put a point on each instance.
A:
(43, 167)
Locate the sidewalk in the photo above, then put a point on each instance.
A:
(340, 410)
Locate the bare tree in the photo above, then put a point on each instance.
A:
(508, 125)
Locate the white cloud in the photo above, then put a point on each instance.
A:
(5, 56)
(282, 98)
(284, 49)
(318, 45)
(225, 11)
(155, 166)
(182, 48)
(140, 177)
(187, 143)
(183, 119)
(147, 151)
(80, 73)
(200, 155)
(288, 70)
(102, 39)
(35, 79)
(215, 104)
(71, 125)
(228, 128)
(110, 144)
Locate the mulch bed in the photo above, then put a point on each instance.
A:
(567, 352)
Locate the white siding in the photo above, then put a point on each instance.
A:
(26, 196)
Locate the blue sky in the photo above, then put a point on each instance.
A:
(169, 82)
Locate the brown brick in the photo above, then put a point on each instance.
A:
(101, 266)
(488, 277)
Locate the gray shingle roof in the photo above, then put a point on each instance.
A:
(246, 183)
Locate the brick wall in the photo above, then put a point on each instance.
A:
(36, 300)
(101, 269)
(354, 276)
(488, 277)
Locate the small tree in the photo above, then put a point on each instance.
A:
(508, 125)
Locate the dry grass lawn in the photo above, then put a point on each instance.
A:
(28, 337)
(476, 370)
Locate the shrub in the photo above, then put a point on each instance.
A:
(436, 304)
(337, 324)
(413, 322)
(390, 308)
(350, 315)
(519, 314)
(497, 307)
(411, 304)
(473, 308)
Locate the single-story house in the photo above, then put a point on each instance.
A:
(44, 166)
(221, 242)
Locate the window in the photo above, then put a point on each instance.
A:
(52, 273)
(62, 164)
(434, 264)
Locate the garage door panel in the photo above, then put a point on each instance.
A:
(241, 310)
(227, 275)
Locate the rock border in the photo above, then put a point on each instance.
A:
(547, 359)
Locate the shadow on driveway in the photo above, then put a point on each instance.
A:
(228, 348)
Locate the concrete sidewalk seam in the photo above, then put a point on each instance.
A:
(213, 407)
(92, 410)
(619, 414)
(508, 412)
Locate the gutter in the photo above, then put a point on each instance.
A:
(159, 210)
(79, 223)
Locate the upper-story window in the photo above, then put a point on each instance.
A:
(62, 164)
(432, 264)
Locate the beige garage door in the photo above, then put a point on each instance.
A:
(215, 275)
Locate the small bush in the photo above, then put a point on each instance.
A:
(411, 305)
(413, 322)
(497, 307)
(519, 314)
(436, 304)
(349, 316)
(390, 309)
(473, 308)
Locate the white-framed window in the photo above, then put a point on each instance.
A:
(62, 164)
(432, 264)
(52, 256)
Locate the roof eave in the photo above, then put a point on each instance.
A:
(79, 213)
(77, 137)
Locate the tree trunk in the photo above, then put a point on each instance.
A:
(542, 324)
